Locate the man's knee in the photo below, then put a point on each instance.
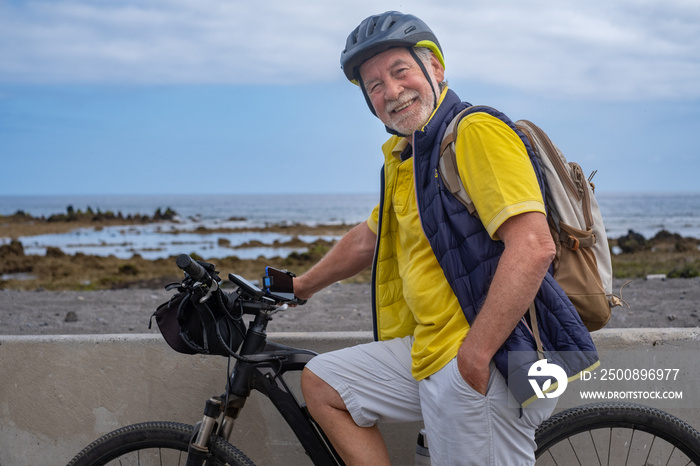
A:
(318, 393)
(310, 383)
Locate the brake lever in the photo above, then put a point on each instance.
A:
(172, 286)
(212, 288)
(282, 307)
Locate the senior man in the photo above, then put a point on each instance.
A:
(450, 290)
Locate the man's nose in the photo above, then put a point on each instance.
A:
(393, 90)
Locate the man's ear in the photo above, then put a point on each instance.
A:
(437, 68)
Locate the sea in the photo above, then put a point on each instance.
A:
(643, 213)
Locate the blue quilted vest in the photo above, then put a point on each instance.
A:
(468, 257)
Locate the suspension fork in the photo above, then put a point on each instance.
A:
(198, 449)
(199, 443)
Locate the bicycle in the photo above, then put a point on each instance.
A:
(604, 433)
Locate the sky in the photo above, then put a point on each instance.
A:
(241, 97)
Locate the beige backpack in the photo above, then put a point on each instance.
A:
(582, 265)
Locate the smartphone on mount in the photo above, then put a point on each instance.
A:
(278, 284)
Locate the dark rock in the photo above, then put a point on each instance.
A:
(632, 242)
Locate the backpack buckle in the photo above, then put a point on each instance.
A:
(573, 243)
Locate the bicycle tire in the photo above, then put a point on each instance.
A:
(616, 434)
(151, 443)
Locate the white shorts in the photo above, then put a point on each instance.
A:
(463, 426)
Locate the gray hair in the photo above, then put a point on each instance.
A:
(424, 54)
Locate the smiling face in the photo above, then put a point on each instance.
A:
(401, 95)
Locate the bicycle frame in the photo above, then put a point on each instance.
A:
(261, 366)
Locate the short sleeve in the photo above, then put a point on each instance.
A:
(373, 220)
(496, 170)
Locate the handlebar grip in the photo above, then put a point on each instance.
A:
(187, 264)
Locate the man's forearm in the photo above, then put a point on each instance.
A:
(529, 251)
(352, 254)
(513, 289)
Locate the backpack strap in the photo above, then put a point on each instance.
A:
(448, 163)
(536, 330)
(448, 157)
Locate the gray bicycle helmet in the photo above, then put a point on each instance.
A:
(382, 32)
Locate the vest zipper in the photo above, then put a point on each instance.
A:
(415, 185)
(375, 259)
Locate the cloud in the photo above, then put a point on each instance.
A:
(601, 50)
(206, 41)
(622, 50)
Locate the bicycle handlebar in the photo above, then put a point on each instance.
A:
(192, 268)
(199, 273)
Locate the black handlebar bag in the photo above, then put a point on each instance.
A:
(191, 326)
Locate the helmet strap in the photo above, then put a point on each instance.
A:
(364, 93)
(425, 73)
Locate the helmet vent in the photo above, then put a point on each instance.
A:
(409, 29)
(370, 27)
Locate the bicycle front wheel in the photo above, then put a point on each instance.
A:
(616, 434)
(154, 443)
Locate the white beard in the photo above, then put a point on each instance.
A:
(410, 122)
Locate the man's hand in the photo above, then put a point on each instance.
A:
(475, 374)
(299, 289)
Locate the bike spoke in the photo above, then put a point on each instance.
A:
(590, 434)
(646, 460)
(629, 449)
(573, 449)
(669, 456)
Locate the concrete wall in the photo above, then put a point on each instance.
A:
(59, 393)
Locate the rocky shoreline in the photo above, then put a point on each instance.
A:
(634, 256)
(71, 294)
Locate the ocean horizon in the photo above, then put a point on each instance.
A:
(644, 213)
(255, 208)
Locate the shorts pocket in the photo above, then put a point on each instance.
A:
(461, 384)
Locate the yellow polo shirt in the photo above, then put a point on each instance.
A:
(499, 178)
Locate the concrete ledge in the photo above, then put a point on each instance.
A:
(59, 393)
